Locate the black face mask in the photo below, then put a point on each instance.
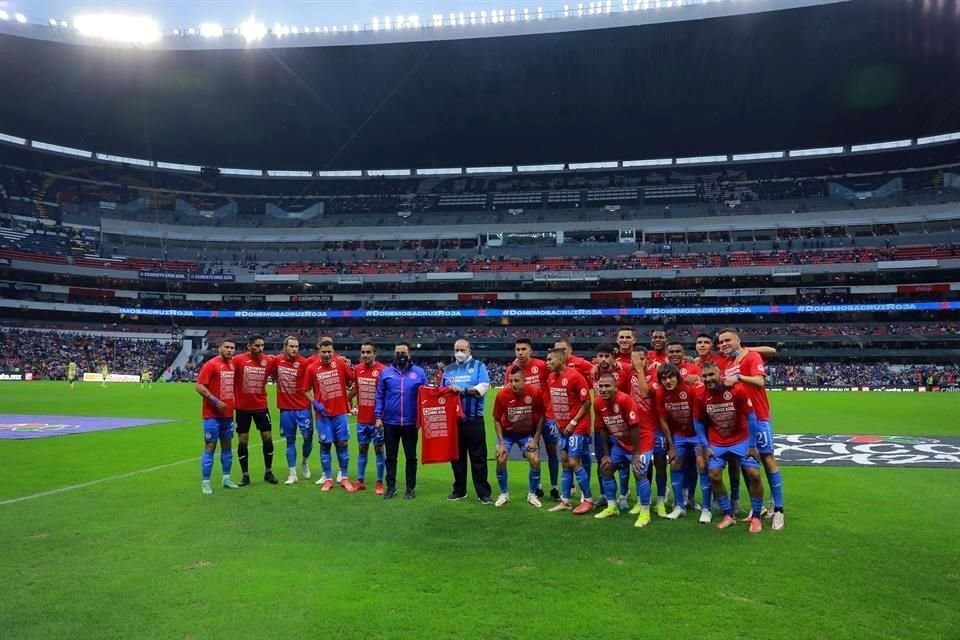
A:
(401, 360)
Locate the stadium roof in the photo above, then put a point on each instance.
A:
(815, 77)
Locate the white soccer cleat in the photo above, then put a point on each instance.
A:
(292, 479)
(502, 499)
(677, 513)
(323, 478)
(623, 504)
(706, 516)
(339, 476)
(778, 523)
(205, 488)
(305, 470)
(534, 500)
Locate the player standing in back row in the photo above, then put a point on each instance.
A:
(252, 368)
(215, 383)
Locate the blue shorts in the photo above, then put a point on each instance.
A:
(598, 449)
(551, 434)
(659, 443)
(576, 446)
(510, 441)
(686, 447)
(622, 459)
(367, 433)
(735, 452)
(333, 429)
(293, 420)
(217, 429)
(764, 436)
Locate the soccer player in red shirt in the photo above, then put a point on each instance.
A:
(367, 373)
(518, 419)
(330, 380)
(643, 388)
(626, 341)
(289, 372)
(215, 383)
(657, 355)
(726, 428)
(570, 404)
(675, 400)
(251, 378)
(745, 367)
(607, 361)
(578, 364)
(689, 371)
(630, 445)
(535, 373)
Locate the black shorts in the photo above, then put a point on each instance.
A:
(261, 418)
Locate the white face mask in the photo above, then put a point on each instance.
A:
(460, 357)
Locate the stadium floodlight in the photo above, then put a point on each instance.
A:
(176, 166)
(657, 162)
(580, 10)
(4, 15)
(376, 23)
(566, 11)
(513, 15)
(451, 171)
(21, 18)
(118, 28)
(539, 13)
(211, 30)
(342, 173)
(500, 169)
(326, 29)
(356, 28)
(295, 30)
(526, 14)
(63, 24)
(285, 173)
(473, 17)
(880, 146)
(387, 24)
(453, 19)
(53, 22)
(414, 21)
(12, 139)
(241, 172)
(483, 17)
(56, 148)
(701, 159)
(609, 6)
(540, 168)
(253, 30)
(388, 173)
(943, 137)
(821, 151)
(609, 164)
(191, 31)
(768, 155)
(140, 162)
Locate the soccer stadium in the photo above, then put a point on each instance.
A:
(483, 322)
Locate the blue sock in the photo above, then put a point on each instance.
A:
(534, 480)
(706, 493)
(776, 489)
(609, 489)
(643, 490)
(307, 445)
(566, 484)
(757, 505)
(725, 505)
(292, 451)
(661, 484)
(361, 465)
(380, 462)
(676, 481)
(583, 479)
(553, 463)
(735, 490)
(343, 460)
(326, 460)
(226, 460)
(206, 464)
(624, 481)
(502, 480)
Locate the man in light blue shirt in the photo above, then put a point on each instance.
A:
(468, 377)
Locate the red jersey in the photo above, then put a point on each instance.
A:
(677, 407)
(724, 413)
(518, 413)
(534, 373)
(581, 366)
(647, 406)
(654, 360)
(689, 369)
(750, 365)
(291, 379)
(438, 414)
(568, 394)
(217, 375)
(623, 379)
(251, 378)
(330, 383)
(625, 359)
(367, 376)
(617, 416)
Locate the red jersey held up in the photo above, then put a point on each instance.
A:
(534, 373)
(677, 407)
(438, 415)
(217, 375)
(291, 379)
(251, 378)
(367, 377)
(724, 413)
(617, 416)
(330, 383)
(568, 393)
(518, 413)
(750, 365)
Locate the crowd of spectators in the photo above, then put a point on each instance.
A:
(863, 374)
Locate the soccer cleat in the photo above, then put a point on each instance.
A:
(390, 494)
(327, 485)
(268, 477)
(563, 505)
(305, 470)
(637, 508)
(601, 503)
(347, 485)
(359, 486)
(378, 488)
(748, 518)
(642, 520)
(677, 513)
(228, 483)
(454, 497)
(727, 522)
(766, 513)
(339, 476)
(205, 488)
(554, 494)
(585, 507)
(410, 494)
(706, 516)
(756, 525)
(610, 512)
(502, 499)
(485, 500)
(778, 523)
(245, 480)
(533, 499)
(292, 479)
(662, 509)
(623, 504)
(539, 493)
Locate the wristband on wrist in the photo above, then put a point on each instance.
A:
(738, 377)
(214, 399)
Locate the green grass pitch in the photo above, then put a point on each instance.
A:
(867, 552)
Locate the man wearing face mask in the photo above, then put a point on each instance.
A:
(395, 410)
(469, 378)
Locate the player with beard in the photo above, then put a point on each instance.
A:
(251, 380)
(607, 361)
(535, 374)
